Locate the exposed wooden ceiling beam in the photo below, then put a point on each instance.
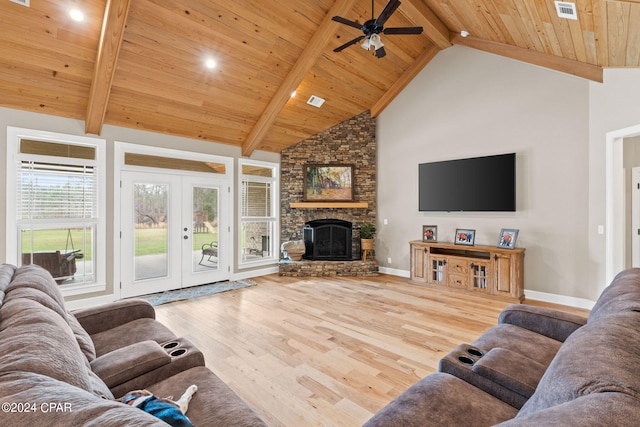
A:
(418, 13)
(569, 66)
(113, 26)
(305, 61)
(404, 80)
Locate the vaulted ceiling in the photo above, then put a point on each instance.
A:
(141, 63)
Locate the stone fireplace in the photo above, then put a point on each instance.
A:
(352, 142)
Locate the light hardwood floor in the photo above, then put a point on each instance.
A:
(327, 351)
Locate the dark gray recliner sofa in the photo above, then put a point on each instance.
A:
(59, 368)
(537, 367)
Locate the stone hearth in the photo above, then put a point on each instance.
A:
(307, 268)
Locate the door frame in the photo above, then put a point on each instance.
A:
(120, 148)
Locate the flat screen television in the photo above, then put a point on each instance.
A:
(478, 184)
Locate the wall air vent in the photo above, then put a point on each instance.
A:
(315, 101)
(22, 2)
(566, 10)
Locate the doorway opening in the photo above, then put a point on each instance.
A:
(616, 237)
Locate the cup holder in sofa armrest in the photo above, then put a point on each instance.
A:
(175, 348)
(178, 352)
(171, 344)
(511, 370)
(129, 362)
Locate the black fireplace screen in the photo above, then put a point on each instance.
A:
(327, 239)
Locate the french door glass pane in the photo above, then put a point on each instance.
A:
(206, 211)
(151, 217)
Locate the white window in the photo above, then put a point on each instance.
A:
(258, 213)
(58, 219)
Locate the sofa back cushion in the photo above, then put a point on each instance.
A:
(600, 357)
(35, 335)
(623, 294)
(6, 275)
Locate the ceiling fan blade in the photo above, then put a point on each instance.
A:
(403, 30)
(388, 11)
(349, 43)
(347, 22)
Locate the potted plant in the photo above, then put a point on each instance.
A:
(367, 231)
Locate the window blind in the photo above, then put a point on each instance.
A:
(56, 191)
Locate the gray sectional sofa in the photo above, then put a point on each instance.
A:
(59, 368)
(537, 367)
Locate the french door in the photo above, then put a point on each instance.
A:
(175, 231)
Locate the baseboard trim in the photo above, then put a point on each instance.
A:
(394, 272)
(559, 299)
(254, 273)
(89, 302)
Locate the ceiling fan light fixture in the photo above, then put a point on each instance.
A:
(366, 44)
(377, 44)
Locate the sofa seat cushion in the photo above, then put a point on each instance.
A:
(442, 400)
(131, 333)
(536, 347)
(214, 404)
(601, 357)
(56, 403)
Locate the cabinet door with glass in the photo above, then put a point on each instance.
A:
(437, 269)
(480, 275)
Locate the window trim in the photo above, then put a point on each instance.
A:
(275, 212)
(14, 135)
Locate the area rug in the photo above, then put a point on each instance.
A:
(196, 291)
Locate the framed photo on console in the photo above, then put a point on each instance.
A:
(465, 236)
(508, 237)
(429, 233)
(328, 183)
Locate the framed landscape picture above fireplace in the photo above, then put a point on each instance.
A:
(328, 183)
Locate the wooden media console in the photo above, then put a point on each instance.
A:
(484, 270)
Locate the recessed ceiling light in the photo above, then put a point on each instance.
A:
(464, 33)
(293, 94)
(76, 15)
(210, 63)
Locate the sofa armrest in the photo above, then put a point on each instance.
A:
(107, 316)
(551, 323)
(510, 370)
(129, 362)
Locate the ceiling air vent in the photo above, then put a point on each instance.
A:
(315, 101)
(22, 2)
(566, 10)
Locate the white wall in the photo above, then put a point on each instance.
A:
(468, 103)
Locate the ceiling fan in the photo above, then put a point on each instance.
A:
(373, 28)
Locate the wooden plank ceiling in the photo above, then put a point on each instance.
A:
(141, 63)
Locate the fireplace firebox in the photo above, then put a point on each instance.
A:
(327, 239)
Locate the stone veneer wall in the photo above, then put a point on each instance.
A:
(352, 142)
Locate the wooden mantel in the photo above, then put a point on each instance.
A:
(329, 205)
